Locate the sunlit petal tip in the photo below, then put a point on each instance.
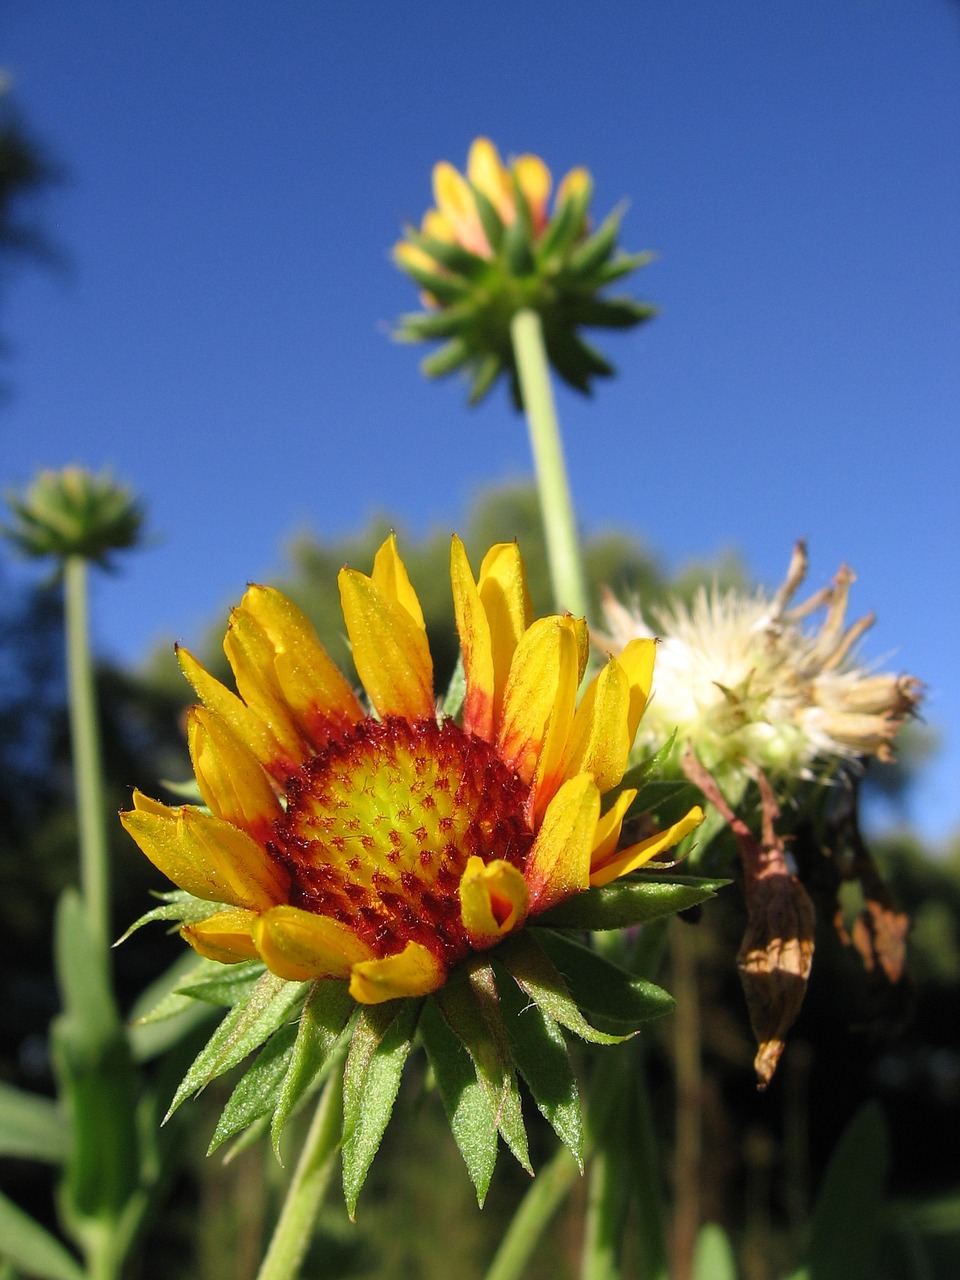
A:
(414, 971)
(232, 782)
(390, 575)
(535, 182)
(494, 900)
(559, 861)
(144, 804)
(390, 651)
(637, 855)
(436, 226)
(301, 946)
(637, 659)
(225, 937)
(575, 183)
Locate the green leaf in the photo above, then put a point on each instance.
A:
(543, 1059)
(446, 289)
(32, 1249)
(486, 372)
(319, 1032)
(467, 1103)
(628, 902)
(255, 1094)
(489, 218)
(273, 1002)
(843, 1229)
(608, 992)
(620, 265)
(31, 1126)
(595, 250)
(564, 227)
(453, 355)
(227, 984)
(180, 907)
(609, 313)
(420, 326)
(456, 692)
(524, 957)
(518, 248)
(451, 255)
(381, 1041)
(713, 1257)
(162, 1017)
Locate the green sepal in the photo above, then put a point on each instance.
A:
(320, 1031)
(644, 769)
(486, 372)
(846, 1216)
(379, 1046)
(451, 255)
(518, 247)
(543, 1059)
(629, 902)
(453, 355)
(524, 957)
(490, 220)
(575, 360)
(564, 228)
(420, 326)
(470, 1005)
(616, 999)
(446, 289)
(227, 985)
(31, 1126)
(256, 1091)
(608, 313)
(595, 250)
(32, 1249)
(456, 692)
(466, 1101)
(273, 1002)
(95, 1073)
(178, 906)
(620, 265)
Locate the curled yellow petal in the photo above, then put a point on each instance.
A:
(232, 782)
(502, 586)
(210, 858)
(637, 660)
(599, 740)
(225, 937)
(494, 900)
(390, 650)
(608, 828)
(475, 645)
(636, 855)
(559, 862)
(539, 697)
(301, 946)
(251, 657)
(414, 971)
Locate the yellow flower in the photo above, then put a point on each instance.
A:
(491, 246)
(387, 845)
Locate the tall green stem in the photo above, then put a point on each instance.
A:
(563, 547)
(309, 1186)
(87, 760)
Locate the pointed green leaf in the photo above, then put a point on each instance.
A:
(595, 250)
(378, 1050)
(629, 902)
(450, 357)
(451, 255)
(620, 265)
(489, 218)
(255, 1094)
(615, 998)
(446, 289)
(470, 1112)
(846, 1217)
(543, 1059)
(524, 957)
(456, 692)
(471, 1006)
(272, 1003)
(31, 1126)
(564, 227)
(320, 1031)
(226, 985)
(32, 1249)
(420, 326)
(518, 249)
(486, 372)
(180, 907)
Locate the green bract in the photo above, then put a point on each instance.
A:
(75, 513)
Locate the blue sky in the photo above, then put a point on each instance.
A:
(237, 174)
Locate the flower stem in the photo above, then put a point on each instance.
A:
(563, 547)
(87, 760)
(315, 1167)
(547, 1192)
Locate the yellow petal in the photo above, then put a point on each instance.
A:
(637, 854)
(485, 170)
(251, 656)
(535, 182)
(599, 741)
(539, 698)
(390, 575)
(559, 862)
(455, 201)
(436, 227)
(208, 857)
(226, 936)
(231, 780)
(575, 183)
(390, 651)
(503, 592)
(608, 827)
(637, 660)
(494, 900)
(301, 946)
(474, 631)
(414, 971)
(312, 686)
(249, 728)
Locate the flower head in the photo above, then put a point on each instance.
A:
(745, 683)
(492, 246)
(386, 845)
(73, 512)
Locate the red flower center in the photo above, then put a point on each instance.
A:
(379, 827)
